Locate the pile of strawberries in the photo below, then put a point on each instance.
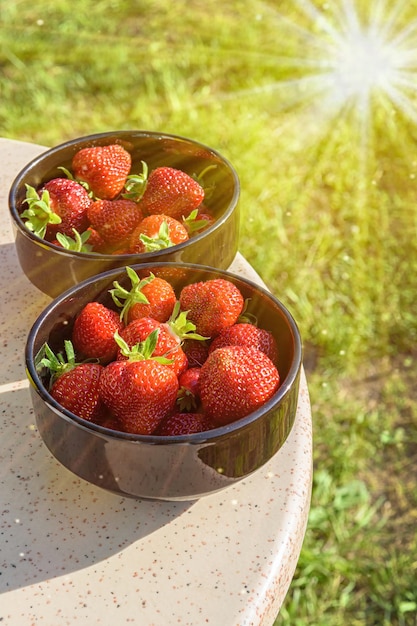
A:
(153, 361)
(101, 206)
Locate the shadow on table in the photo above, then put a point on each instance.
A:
(52, 522)
(20, 305)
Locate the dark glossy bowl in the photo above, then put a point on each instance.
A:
(53, 270)
(170, 468)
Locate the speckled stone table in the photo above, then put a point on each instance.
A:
(71, 553)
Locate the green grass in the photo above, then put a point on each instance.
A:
(328, 220)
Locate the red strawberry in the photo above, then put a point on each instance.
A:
(198, 220)
(77, 390)
(212, 305)
(184, 424)
(170, 273)
(196, 351)
(167, 345)
(244, 334)
(109, 421)
(140, 393)
(157, 232)
(103, 168)
(114, 220)
(95, 240)
(150, 392)
(148, 297)
(235, 381)
(171, 192)
(188, 393)
(111, 385)
(93, 332)
(161, 298)
(60, 206)
(74, 385)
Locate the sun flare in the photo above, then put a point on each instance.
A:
(344, 54)
(375, 56)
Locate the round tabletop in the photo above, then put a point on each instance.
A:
(72, 553)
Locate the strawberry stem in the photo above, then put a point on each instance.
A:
(78, 243)
(160, 242)
(186, 400)
(83, 183)
(246, 317)
(57, 364)
(39, 212)
(125, 298)
(181, 327)
(143, 350)
(192, 224)
(136, 184)
(208, 189)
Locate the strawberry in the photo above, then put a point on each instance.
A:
(95, 240)
(74, 385)
(109, 421)
(148, 297)
(188, 393)
(184, 424)
(196, 351)
(60, 205)
(235, 381)
(212, 305)
(103, 168)
(171, 335)
(172, 192)
(167, 345)
(198, 220)
(157, 232)
(77, 390)
(111, 389)
(141, 390)
(150, 391)
(244, 334)
(93, 332)
(170, 273)
(114, 220)
(78, 243)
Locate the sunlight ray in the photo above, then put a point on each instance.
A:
(307, 35)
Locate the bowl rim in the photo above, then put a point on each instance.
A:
(205, 437)
(120, 134)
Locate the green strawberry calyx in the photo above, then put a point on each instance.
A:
(160, 242)
(199, 178)
(143, 350)
(125, 298)
(136, 184)
(57, 364)
(39, 213)
(186, 400)
(182, 328)
(193, 224)
(78, 243)
(246, 317)
(83, 183)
